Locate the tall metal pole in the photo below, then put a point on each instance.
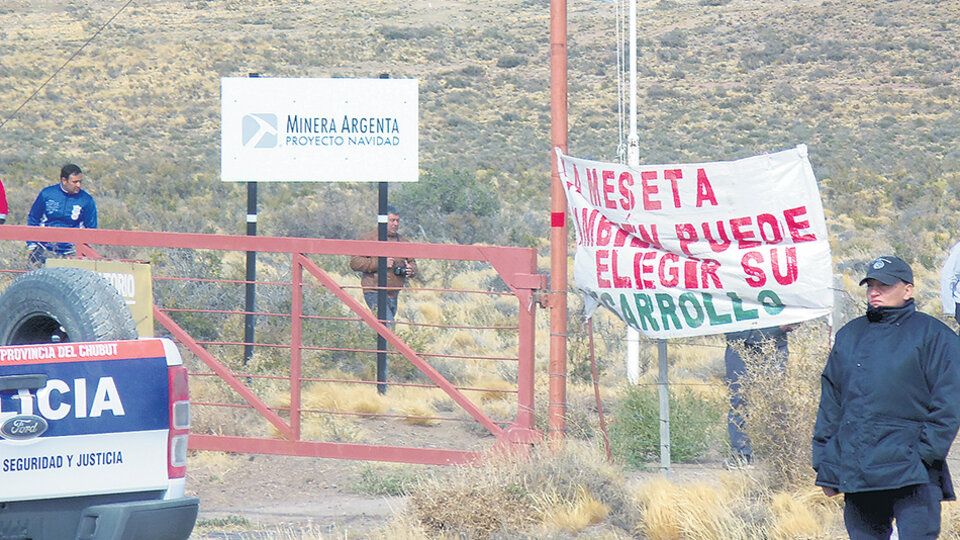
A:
(633, 335)
(381, 290)
(663, 388)
(382, 218)
(558, 232)
(250, 304)
(633, 160)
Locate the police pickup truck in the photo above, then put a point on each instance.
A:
(93, 434)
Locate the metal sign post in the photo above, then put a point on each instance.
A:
(302, 129)
(250, 304)
(382, 291)
(663, 388)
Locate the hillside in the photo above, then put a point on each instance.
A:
(872, 88)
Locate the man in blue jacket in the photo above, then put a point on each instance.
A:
(61, 205)
(889, 410)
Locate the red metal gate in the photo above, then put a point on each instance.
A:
(293, 266)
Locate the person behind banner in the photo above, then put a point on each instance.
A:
(398, 270)
(741, 451)
(61, 205)
(889, 411)
(950, 283)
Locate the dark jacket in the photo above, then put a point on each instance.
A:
(367, 266)
(757, 336)
(54, 207)
(889, 404)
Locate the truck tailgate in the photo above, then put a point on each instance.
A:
(99, 423)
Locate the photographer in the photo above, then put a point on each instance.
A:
(398, 270)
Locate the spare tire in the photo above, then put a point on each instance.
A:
(55, 305)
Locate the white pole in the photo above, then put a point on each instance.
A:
(633, 336)
(633, 160)
(633, 140)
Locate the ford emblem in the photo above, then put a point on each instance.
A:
(22, 427)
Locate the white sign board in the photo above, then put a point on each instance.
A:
(705, 248)
(318, 130)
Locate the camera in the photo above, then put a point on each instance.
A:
(400, 270)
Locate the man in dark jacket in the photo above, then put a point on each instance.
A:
(889, 410)
(61, 205)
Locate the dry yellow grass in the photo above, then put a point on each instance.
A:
(359, 398)
(230, 421)
(493, 388)
(539, 495)
(737, 507)
(500, 410)
(419, 404)
(220, 461)
(804, 514)
(950, 520)
(463, 339)
(561, 514)
(699, 511)
(799, 515)
(402, 527)
(431, 312)
(331, 428)
(469, 280)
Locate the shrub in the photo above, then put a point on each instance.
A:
(485, 502)
(507, 494)
(386, 479)
(473, 71)
(674, 38)
(404, 33)
(695, 425)
(511, 61)
(451, 205)
(782, 404)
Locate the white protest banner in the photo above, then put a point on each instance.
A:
(699, 249)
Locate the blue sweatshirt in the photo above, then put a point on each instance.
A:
(55, 207)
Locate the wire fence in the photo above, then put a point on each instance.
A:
(699, 397)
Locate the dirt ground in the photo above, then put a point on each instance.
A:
(246, 493)
(269, 493)
(253, 496)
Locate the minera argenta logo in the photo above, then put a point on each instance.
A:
(259, 130)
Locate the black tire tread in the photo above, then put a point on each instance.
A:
(81, 298)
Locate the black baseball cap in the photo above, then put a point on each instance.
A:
(889, 270)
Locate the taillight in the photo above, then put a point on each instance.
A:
(179, 422)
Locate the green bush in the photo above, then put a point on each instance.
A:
(450, 205)
(511, 61)
(695, 426)
(388, 479)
